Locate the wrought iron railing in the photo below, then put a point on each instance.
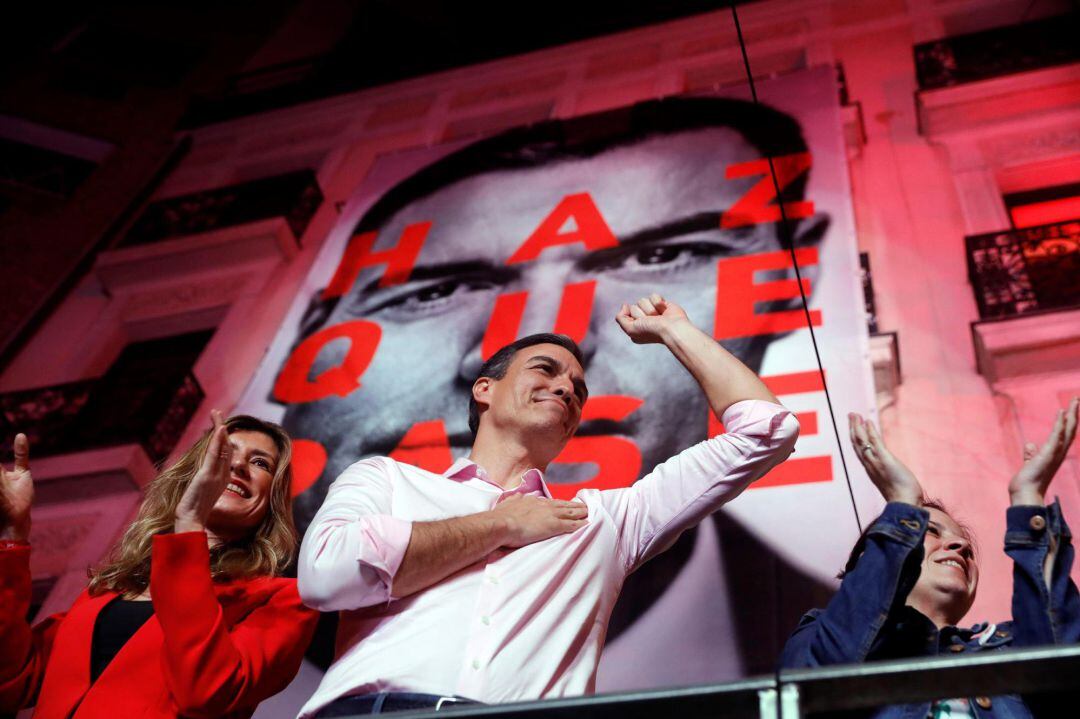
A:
(1022, 271)
(994, 53)
(294, 196)
(98, 413)
(1038, 674)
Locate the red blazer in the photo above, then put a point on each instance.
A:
(209, 650)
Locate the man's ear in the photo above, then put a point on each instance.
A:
(481, 390)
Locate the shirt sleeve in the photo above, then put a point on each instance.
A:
(1042, 614)
(678, 494)
(354, 545)
(849, 628)
(211, 668)
(26, 650)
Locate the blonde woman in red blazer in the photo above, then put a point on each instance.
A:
(189, 615)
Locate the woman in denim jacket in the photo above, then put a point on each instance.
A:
(912, 577)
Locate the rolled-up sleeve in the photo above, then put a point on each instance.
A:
(681, 492)
(354, 546)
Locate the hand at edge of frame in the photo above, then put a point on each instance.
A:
(1028, 486)
(17, 494)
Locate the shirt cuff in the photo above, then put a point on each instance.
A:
(1032, 526)
(385, 539)
(754, 418)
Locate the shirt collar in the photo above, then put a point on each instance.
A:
(465, 469)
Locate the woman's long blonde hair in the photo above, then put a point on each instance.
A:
(268, 551)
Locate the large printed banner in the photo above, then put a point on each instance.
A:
(445, 254)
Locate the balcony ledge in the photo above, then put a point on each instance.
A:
(1026, 345)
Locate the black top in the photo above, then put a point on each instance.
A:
(115, 625)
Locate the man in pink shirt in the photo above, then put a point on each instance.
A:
(475, 583)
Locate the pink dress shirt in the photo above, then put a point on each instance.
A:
(520, 624)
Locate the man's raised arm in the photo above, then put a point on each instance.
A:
(724, 379)
(685, 489)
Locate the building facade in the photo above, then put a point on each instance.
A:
(178, 243)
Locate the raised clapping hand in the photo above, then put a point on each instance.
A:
(16, 494)
(1029, 484)
(895, 481)
(208, 483)
(648, 320)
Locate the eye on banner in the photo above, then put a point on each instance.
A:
(443, 255)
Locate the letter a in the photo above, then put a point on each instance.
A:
(590, 229)
(618, 459)
(426, 446)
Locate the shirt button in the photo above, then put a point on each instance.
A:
(1038, 523)
(956, 648)
(492, 579)
(984, 702)
(475, 663)
(486, 621)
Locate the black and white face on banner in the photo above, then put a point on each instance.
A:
(553, 228)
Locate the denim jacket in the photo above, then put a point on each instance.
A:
(867, 619)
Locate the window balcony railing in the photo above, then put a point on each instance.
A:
(98, 413)
(997, 52)
(1018, 272)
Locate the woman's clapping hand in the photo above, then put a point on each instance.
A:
(209, 482)
(895, 481)
(1029, 484)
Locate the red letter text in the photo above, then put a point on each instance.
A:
(737, 293)
(399, 259)
(294, 384)
(590, 229)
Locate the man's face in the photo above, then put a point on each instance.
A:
(540, 396)
(661, 199)
(949, 575)
(243, 505)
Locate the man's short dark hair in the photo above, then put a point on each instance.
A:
(498, 363)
